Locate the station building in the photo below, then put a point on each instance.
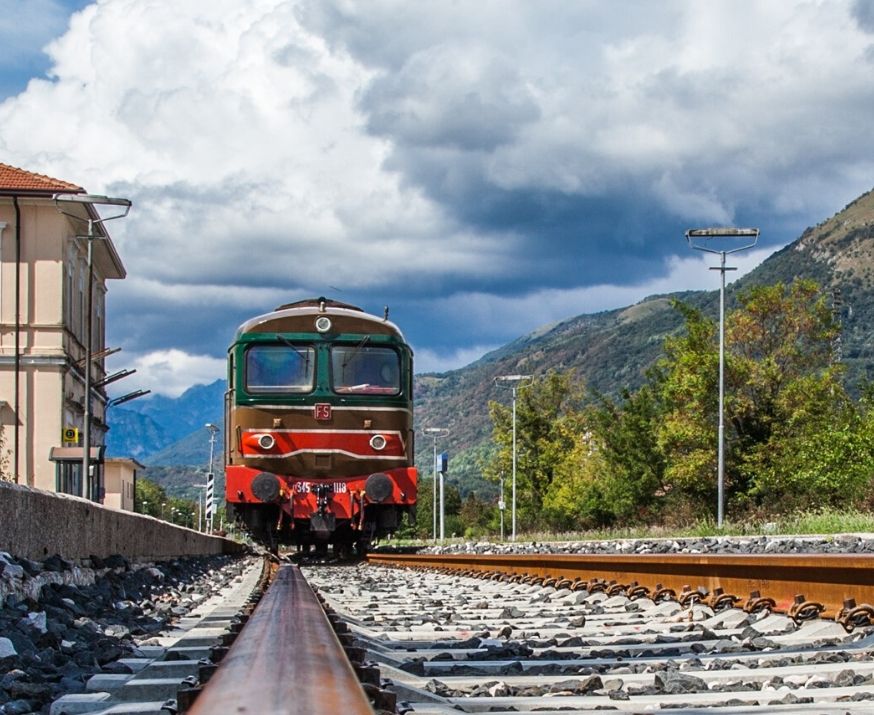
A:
(44, 280)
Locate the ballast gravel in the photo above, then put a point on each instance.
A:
(61, 623)
(837, 544)
(449, 642)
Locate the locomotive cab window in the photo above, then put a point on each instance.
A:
(280, 368)
(364, 370)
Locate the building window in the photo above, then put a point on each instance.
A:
(68, 477)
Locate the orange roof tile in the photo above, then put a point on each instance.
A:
(14, 179)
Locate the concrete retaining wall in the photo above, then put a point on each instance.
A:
(36, 524)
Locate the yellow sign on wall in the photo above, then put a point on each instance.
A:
(70, 434)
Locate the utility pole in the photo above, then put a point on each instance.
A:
(697, 239)
(64, 203)
(434, 431)
(516, 382)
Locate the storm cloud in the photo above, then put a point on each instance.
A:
(483, 168)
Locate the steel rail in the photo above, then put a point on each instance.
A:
(828, 579)
(287, 659)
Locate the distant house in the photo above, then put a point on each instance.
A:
(43, 297)
(120, 480)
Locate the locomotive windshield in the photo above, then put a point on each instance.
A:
(364, 370)
(280, 368)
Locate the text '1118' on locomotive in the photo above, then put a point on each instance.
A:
(318, 426)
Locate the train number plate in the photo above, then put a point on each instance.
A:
(310, 488)
(322, 411)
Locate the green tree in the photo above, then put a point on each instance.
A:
(149, 496)
(634, 465)
(544, 408)
(476, 515)
(688, 385)
(578, 497)
(821, 453)
(782, 395)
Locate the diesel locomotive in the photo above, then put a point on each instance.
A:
(318, 426)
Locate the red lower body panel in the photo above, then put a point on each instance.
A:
(299, 497)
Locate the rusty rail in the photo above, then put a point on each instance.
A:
(287, 659)
(826, 579)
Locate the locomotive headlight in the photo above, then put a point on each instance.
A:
(323, 324)
(266, 441)
(378, 442)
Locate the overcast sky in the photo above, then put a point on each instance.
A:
(484, 168)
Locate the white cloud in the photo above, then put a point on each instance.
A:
(237, 136)
(428, 360)
(168, 372)
(274, 148)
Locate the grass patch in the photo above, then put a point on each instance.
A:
(821, 522)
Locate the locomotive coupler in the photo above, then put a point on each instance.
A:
(322, 520)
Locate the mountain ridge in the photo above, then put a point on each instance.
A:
(610, 350)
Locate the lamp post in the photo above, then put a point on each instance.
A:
(143, 507)
(516, 382)
(434, 431)
(200, 499)
(163, 504)
(501, 505)
(210, 476)
(697, 238)
(64, 203)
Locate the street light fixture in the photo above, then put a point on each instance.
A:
(516, 382)
(698, 238)
(127, 398)
(65, 203)
(434, 431)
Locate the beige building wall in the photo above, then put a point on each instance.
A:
(53, 278)
(120, 479)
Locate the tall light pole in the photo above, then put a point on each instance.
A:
(698, 238)
(501, 506)
(65, 203)
(200, 499)
(434, 431)
(210, 476)
(516, 382)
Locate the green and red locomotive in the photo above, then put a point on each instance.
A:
(319, 426)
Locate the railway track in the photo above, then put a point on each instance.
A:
(444, 639)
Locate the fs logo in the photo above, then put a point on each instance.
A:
(70, 434)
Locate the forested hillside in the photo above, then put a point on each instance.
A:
(611, 351)
(608, 352)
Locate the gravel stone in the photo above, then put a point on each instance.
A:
(63, 623)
